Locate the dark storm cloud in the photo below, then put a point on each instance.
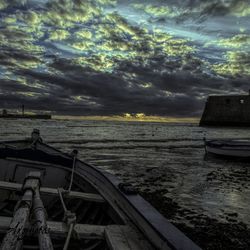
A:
(170, 93)
(71, 57)
(222, 7)
(17, 58)
(179, 91)
(215, 6)
(77, 80)
(187, 79)
(200, 10)
(14, 101)
(14, 86)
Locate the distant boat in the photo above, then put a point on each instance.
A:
(229, 148)
(65, 203)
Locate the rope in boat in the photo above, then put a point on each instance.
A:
(69, 219)
(66, 244)
(74, 153)
(61, 199)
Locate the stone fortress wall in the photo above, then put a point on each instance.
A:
(226, 111)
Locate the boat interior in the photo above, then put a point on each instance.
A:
(52, 200)
(68, 199)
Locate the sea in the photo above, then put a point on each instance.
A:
(206, 197)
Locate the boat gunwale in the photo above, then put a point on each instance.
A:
(171, 237)
(131, 200)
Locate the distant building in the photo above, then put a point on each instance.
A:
(227, 111)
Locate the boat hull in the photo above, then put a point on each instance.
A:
(229, 148)
(122, 207)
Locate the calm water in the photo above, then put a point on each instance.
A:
(158, 158)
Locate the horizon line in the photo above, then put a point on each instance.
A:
(164, 119)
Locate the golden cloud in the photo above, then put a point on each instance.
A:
(59, 34)
(154, 10)
(237, 65)
(237, 41)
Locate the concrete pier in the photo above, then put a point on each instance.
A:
(5, 114)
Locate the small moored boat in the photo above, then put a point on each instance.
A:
(229, 148)
(52, 200)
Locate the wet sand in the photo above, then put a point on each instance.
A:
(207, 232)
(208, 205)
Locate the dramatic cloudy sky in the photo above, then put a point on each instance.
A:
(110, 57)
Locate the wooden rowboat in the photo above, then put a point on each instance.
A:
(229, 148)
(52, 200)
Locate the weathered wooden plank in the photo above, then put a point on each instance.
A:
(12, 238)
(10, 186)
(52, 191)
(136, 239)
(60, 230)
(125, 238)
(84, 231)
(116, 239)
(73, 194)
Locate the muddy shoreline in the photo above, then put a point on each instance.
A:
(165, 188)
(206, 232)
